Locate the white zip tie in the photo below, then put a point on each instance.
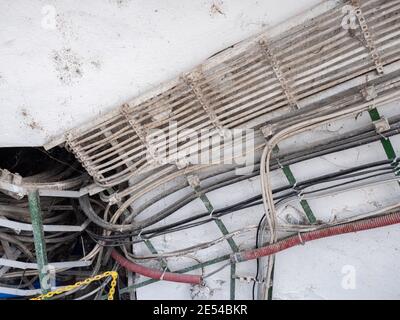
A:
(34, 266)
(140, 235)
(277, 70)
(163, 273)
(301, 239)
(382, 135)
(396, 161)
(301, 195)
(211, 215)
(279, 163)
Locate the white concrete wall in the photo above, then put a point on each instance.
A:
(316, 270)
(63, 63)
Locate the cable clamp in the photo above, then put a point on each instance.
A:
(267, 131)
(382, 125)
(114, 199)
(194, 181)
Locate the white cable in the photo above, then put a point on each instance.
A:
(268, 199)
(55, 265)
(19, 226)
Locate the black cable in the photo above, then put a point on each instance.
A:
(256, 200)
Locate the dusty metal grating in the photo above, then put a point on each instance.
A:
(243, 86)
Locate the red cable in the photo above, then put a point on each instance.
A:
(292, 241)
(153, 273)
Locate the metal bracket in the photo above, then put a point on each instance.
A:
(273, 61)
(267, 131)
(382, 125)
(140, 133)
(368, 37)
(70, 142)
(191, 81)
(194, 181)
(369, 93)
(11, 184)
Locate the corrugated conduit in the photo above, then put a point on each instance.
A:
(302, 238)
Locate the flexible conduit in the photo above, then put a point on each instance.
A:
(292, 241)
(155, 274)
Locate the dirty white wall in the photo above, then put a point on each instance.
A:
(63, 63)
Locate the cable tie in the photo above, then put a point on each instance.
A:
(301, 195)
(279, 163)
(299, 192)
(302, 242)
(383, 137)
(212, 215)
(163, 273)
